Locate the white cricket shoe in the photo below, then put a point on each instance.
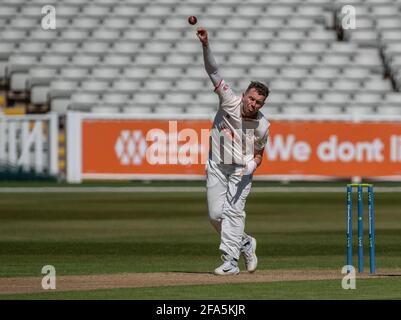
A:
(248, 250)
(228, 268)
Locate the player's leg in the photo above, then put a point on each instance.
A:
(233, 234)
(217, 180)
(248, 251)
(233, 220)
(216, 186)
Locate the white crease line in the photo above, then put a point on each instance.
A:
(183, 189)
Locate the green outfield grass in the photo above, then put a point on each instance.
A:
(113, 233)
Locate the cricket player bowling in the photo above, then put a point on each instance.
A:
(238, 137)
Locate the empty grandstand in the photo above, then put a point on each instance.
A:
(140, 56)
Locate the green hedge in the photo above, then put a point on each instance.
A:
(13, 172)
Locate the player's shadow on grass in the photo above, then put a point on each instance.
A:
(387, 275)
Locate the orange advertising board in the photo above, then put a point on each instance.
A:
(339, 149)
(139, 146)
(131, 148)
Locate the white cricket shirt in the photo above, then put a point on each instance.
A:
(233, 139)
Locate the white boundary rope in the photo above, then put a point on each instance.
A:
(183, 189)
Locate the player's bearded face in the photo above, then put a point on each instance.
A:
(252, 101)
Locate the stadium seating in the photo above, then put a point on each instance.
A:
(137, 56)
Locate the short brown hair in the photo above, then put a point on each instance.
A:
(260, 87)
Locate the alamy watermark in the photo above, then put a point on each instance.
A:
(348, 17)
(49, 20)
(185, 146)
(49, 280)
(349, 280)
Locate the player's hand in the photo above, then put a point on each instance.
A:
(202, 35)
(249, 168)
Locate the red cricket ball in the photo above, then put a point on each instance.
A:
(192, 20)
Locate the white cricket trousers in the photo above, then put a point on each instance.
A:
(226, 196)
